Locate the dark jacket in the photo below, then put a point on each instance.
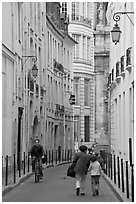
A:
(82, 161)
(37, 150)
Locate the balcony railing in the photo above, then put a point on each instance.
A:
(81, 19)
(82, 60)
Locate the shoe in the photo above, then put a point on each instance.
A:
(82, 193)
(77, 191)
(93, 194)
(97, 192)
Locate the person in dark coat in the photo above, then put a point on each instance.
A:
(82, 162)
(37, 151)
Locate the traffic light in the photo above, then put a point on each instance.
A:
(72, 100)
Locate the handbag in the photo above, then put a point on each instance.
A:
(44, 159)
(71, 171)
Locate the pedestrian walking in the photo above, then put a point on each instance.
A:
(100, 159)
(95, 171)
(82, 162)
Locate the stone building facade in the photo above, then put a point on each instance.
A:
(101, 68)
(80, 27)
(121, 82)
(29, 102)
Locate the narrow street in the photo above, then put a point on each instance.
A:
(57, 187)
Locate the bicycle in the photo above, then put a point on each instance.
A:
(37, 170)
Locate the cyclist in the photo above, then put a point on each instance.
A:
(37, 152)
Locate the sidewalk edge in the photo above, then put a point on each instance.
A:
(121, 196)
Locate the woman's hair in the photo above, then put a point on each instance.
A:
(83, 148)
(93, 158)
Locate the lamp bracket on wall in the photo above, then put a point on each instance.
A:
(116, 16)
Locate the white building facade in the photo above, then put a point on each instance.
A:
(31, 104)
(81, 29)
(121, 82)
(59, 124)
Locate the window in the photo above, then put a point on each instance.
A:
(76, 88)
(122, 63)
(112, 74)
(84, 46)
(19, 21)
(86, 92)
(128, 56)
(64, 7)
(87, 127)
(88, 48)
(117, 69)
(77, 46)
(73, 11)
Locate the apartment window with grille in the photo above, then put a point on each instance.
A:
(112, 74)
(51, 49)
(122, 63)
(87, 127)
(76, 89)
(128, 56)
(48, 48)
(77, 11)
(19, 21)
(88, 48)
(73, 11)
(88, 10)
(86, 92)
(84, 46)
(83, 9)
(117, 69)
(74, 37)
(64, 7)
(77, 46)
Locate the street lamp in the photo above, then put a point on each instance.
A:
(116, 32)
(34, 68)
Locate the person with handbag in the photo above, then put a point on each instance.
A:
(82, 162)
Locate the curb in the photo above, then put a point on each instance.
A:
(9, 188)
(121, 196)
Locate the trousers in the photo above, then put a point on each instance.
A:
(80, 181)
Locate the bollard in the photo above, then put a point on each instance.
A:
(19, 165)
(132, 181)
(47, 157)
(6, 181)
(114, 169)
(111, 165)
(122, 175)
(62, 155)
(14, 169)
(28, 161)
(118, 172)
(52, 156)
(56, 156)
(24, 164)
(127, 180)
(106, 164)
(65, 155)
